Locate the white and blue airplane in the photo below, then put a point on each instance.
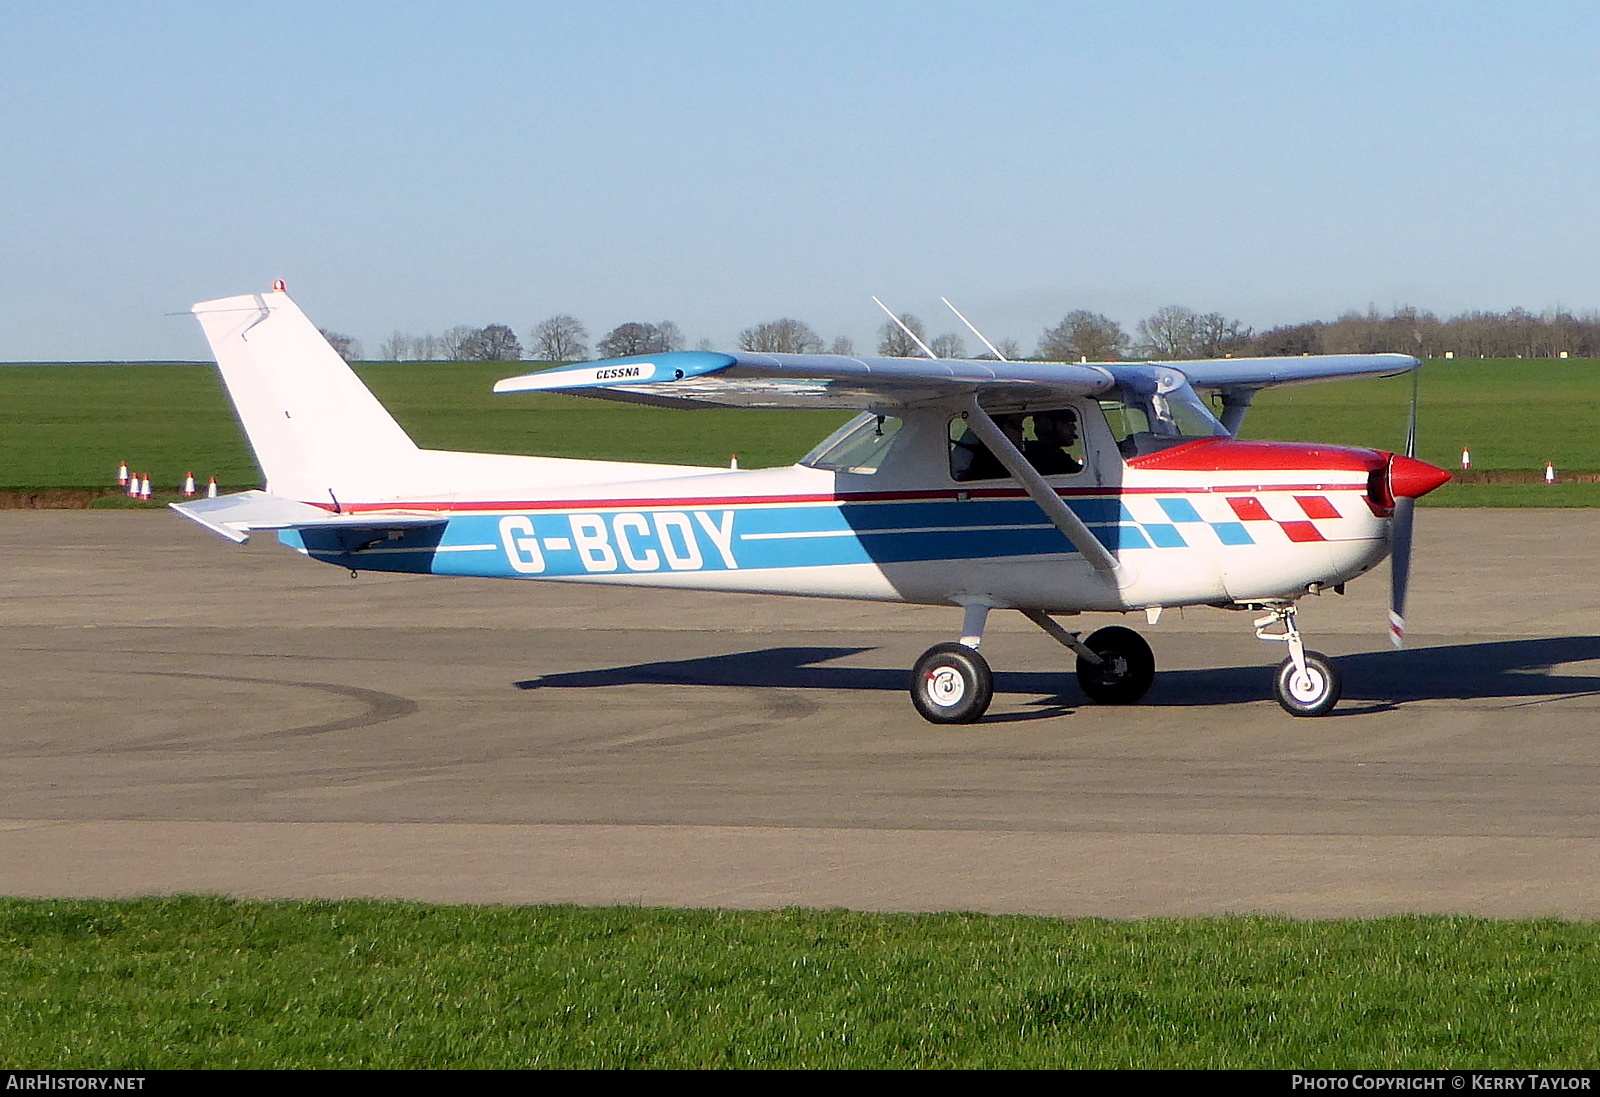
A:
(1053, 489)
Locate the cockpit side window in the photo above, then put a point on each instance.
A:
(1050, 440)
(859, 446)
(1143, 423)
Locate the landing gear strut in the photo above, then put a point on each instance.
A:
(1307, 683)
(952, 683)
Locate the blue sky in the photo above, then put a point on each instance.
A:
(414, 166)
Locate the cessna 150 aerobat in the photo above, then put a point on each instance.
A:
(1048, 488)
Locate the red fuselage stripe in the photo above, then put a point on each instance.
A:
(464, 506)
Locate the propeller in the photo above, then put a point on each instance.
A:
(1407, 480)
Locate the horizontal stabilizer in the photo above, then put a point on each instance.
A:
(237, 516)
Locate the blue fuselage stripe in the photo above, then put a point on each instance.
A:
(562, 543)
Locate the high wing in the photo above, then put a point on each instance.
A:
(1219, 374)
(749, 379)
(757, 380)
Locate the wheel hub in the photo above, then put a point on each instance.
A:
(946, 687)
(1305, 685)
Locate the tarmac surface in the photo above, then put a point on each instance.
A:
(185, 715)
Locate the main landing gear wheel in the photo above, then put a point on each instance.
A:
(1126, 670)
(952, 684)
(1310, 694)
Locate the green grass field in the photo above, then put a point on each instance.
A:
(203, 982)
(69, 426)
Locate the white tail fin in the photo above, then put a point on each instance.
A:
(317, 432)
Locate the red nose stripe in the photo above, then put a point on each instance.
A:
(1317, 506)
(1248, 508)
(1412, 479)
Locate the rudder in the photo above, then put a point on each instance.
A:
(318, 433)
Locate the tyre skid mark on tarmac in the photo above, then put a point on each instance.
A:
(380, 707)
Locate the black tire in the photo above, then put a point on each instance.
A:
(1316, 694)
(951, 684)
(1128, 670)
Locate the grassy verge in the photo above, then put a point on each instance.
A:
(64, 426)
(1514, 495)
(203, 982)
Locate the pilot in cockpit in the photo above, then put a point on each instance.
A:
(970, 459)
(1055, 433)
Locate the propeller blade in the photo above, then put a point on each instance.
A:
(1404, 517)
(1411, 423)
(1400, 569)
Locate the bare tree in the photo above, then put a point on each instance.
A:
(1084, 335)
(640, 338)
(1290, 339)
(782, 336)
(494, 343)
(346, 347)
(396, 348)
(669, 337)
(949, 345)
(1217, 337)
(1171, 332)
(895, 343)
(560, 339)
(1008, 348)
(455, 345)
(843, 345)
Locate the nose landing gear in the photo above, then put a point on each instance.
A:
(1307, 682)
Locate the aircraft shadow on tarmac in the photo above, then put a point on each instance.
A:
(1508, 670)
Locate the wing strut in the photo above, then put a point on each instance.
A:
(1071, 526)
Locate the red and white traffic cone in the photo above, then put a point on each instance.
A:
(1549, 472)
(144, 489)
(188, 486)
(122, 475)
(211, 489)
(133, 486)
(1466, 459)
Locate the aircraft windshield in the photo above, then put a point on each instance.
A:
(1146, 422)
(858, 446)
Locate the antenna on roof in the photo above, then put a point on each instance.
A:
(905, 329)
(992, 348)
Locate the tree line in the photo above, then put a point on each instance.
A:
(1173, 332)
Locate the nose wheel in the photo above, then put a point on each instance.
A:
(1309, 690)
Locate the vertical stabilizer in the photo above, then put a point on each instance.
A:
(318, 433)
